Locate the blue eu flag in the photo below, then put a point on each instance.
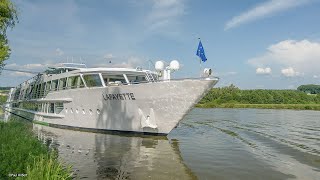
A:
(200, 52)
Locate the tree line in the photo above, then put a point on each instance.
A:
(232, 94)
(5, 88)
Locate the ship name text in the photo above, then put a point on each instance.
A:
(121, 96)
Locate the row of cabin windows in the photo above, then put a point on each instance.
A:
(120, 79)
(40, 90)
(91, 80)
(40, 107)
(54, 108)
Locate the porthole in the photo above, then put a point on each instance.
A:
(66, 110)
(77, 111)
(98, 111)
(83, 111)
(71, 110)
(90, 111)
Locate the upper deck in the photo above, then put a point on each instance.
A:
(82, 68)
(70, 76)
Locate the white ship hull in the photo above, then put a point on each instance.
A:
(144, 108)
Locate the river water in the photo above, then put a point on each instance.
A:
(207, 144)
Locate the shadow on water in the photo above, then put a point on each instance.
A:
(105, 156)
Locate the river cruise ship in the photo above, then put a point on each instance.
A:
(109, 99)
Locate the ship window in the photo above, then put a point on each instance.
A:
(16, 94)
(48, 86)
(114, 79)
(30, 106)
(28, 92)
(45, 107)
(134, 79)
(34, 92)
(39, 107)
(75, 82)
(58, 107)
(38, 90)
(80, 83)
(54, 85)
(92, 80)
(22, 94)
(51, 108)
(34, 89)
(62, 83)
(72, 82)
(42, 89)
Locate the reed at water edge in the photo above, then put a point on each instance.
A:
(23, 156)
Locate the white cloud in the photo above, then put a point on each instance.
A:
(231, 73)
(301, 56)
(315, 76)
(23, 74)
(165, 13)
(59, 52)
(27, 67)
(292, 87)
(290, 72)
(260, 86)
(225, 74)
(131, 62)
(263, 10)
(264, 71)
(108, 56)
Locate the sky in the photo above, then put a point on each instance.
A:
(253, 44)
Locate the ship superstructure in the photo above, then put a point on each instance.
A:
(113, 99)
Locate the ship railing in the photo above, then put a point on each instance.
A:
(40, 93)
(161, 80)
(149, 76)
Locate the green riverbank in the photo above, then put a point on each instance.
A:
(262, 106)
(24, 156)
(233, 97)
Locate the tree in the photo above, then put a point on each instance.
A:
(310, 88)
(8, 19)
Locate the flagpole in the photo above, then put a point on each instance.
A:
(200, 60)
(200, 66)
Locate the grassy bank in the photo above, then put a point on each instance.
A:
(23, 155)
(233, 97)
(262, 106)
(3, 99)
